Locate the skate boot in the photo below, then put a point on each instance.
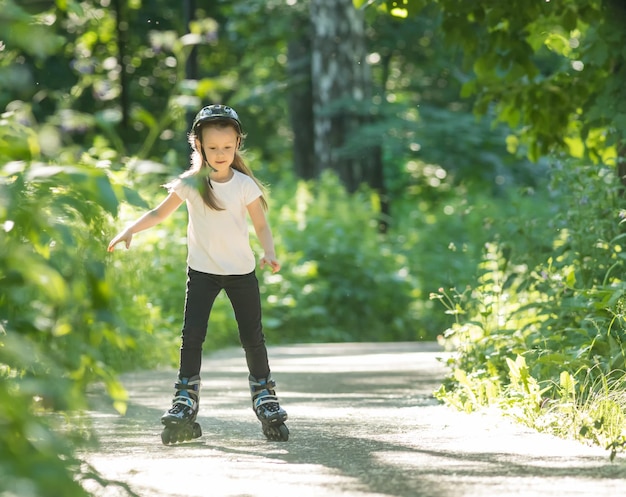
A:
(180, 420)
(267, 410)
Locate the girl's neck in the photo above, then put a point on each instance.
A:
(221, 176)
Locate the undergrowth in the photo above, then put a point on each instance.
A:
(543, 338)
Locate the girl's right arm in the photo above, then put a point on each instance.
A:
(148, 220)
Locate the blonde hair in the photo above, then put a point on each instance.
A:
(200, 169)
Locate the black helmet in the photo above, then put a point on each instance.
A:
(216, 111)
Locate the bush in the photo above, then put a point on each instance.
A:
(539, 338)
(442, 229)
(341, 279)
(55, 319)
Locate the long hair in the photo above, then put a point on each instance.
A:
(200, 171)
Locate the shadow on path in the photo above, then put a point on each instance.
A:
(363, 422)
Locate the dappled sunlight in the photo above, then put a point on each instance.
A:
(282, 478)
(353, 433)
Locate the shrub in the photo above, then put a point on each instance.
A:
(55, 319)
(342, 280)
(562, 316)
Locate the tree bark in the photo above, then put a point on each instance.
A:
(341, 84)
(191, 64)
(121, 27)
(616, 10)
(300, 99)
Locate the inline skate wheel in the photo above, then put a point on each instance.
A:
(284, 432)
(166, 436)
(184, 434)
(276, 433)
(177, 434)
(196, 431)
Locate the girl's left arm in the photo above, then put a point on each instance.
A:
(264, 234)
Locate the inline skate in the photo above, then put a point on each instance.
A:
(267, 410)
(180, 420)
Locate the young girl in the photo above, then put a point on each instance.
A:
(219, 190)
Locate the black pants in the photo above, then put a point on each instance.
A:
(243, 293)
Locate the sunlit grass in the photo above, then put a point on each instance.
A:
(596, 415)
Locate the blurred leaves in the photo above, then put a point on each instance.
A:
(56, 317)
(26, 32)
(346, 281)
(541, 68)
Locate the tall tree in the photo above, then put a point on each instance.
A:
(341, 92)
(121, 26)
(300, 97)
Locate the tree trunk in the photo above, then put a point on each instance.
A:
(621, 168)
(191, 64)
(121, 27)
(341, 92)
(300, 99)
(616, 10)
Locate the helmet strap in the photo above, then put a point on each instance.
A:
(205, 160)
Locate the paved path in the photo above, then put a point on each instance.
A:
(363, 424)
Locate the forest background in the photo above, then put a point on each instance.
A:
(437, 170)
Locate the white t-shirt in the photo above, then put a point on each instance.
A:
(218, 241)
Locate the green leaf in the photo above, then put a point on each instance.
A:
(41, 276)
(361, 4)
(469, 88)
(133, 197)
(567, 384)
(36, 40)
(484, 66)
(570, 18)
(104, 194)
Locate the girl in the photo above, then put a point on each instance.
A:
(219, 190)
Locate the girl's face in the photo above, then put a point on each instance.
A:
(220, 145)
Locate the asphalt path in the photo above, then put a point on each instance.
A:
(363, 423)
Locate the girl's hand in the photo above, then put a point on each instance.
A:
(124, 236)
(269, 260)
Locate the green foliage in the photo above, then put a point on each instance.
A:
(59, 329)
(419, 112)
(74, 79)
(443, 227)
(550, 332)
(341, 280)
(19, 30)
(595, 411)
(553, 73)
